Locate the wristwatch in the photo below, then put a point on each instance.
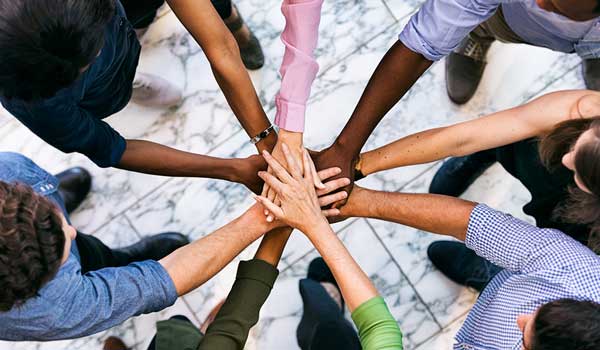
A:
(263, 134)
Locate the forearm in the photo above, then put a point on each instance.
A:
(202, 21)
(423, 147)
(356, 287)
(428, 212)
(395, 75)
(234, 81)
(272, 245)
(194, 264)
(152, 158)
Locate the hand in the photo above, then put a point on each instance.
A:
(336, 157)
(246, 172)
(293, 141)
(300, 207)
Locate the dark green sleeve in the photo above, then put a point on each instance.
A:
(239, 313)
(377, 328)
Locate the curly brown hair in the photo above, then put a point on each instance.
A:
(32, 243)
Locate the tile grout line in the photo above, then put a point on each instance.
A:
(405, 276)
(417, 346)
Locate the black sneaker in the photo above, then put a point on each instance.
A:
(458, 173)
(74, 185)
(154, 247)
(591, 73)
(461, 264)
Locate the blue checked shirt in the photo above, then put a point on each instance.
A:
(440, 25)
(541, 265)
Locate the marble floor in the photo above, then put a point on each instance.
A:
(354, 35)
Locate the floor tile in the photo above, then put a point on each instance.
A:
(283, 310)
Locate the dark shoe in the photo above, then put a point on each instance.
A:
(320, 272)
(250, 50)
(591, 73)
(464, 68)
(155, 247)
(461, 264)
(74, 185)
(114, 343)
(458, 173)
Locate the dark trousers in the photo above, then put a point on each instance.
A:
(323, 325)
(141, 13)
(95, 255)
(152, 345)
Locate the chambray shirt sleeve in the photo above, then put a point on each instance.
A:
(440, 25)
(299, 67)
(70, 128)
(107, 297)
(521, 247)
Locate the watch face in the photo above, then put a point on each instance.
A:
(264, 134)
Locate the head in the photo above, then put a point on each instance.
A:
(35, 240)
(577, 10)
(575, 144)
(562, 324)
(47, 44)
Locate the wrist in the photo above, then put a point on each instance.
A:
(291, 138)
(267, 143)
(316, 228)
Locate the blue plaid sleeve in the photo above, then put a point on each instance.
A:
(520, 247)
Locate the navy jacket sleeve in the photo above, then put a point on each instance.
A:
(70, 128)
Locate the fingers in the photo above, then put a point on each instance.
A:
(327, 173)
(277, 211)
(275, 185)
(277, 202)
(293, 166)
(308, 174)
(332, 198)
(277, 168)
(333, 185)
(330, 212)
(315, 174)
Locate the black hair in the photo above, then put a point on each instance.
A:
(567, 324)
(45, 44)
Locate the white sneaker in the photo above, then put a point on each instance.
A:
(154, 91)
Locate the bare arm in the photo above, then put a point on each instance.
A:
(194, 264)
(205, 25)
(428, 212)
(534, 118)
(152, 158)
(394, 76)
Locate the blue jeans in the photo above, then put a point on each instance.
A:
(93, 254)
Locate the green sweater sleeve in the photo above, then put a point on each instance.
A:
(377, 329)
(254, 281)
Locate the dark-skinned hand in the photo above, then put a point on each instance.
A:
(334, 157)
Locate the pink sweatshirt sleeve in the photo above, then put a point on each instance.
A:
(299, 67)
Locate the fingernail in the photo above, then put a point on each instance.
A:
(269, 219)
(266, 212)
(265, 153)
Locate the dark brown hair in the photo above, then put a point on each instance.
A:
(580, 207)
(32, 243)
(567, 324)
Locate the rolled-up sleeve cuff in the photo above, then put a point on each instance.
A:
(162, 293)
(290, 116)
(258, 270)
(480, 217)
(410, 38)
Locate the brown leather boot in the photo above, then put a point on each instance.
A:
(114, 343)
(591, 73)
(464, 68)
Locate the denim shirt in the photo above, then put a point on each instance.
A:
(440, 25)
(73, 305)
(71, 120)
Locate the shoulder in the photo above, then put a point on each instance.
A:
(587, 106)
